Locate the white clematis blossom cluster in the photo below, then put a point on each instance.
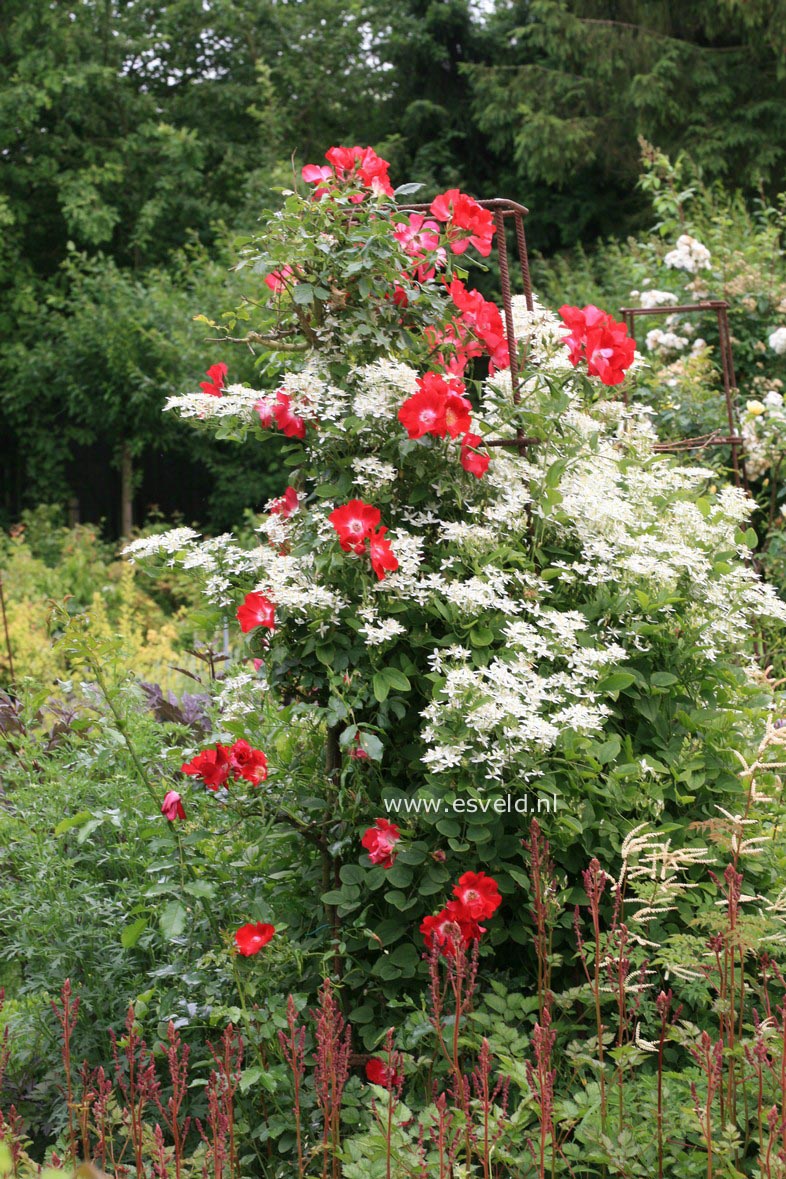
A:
(633, 538)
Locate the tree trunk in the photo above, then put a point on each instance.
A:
(126, 491)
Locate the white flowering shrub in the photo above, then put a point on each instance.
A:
(475, 621)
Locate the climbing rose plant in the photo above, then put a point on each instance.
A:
(464, 620)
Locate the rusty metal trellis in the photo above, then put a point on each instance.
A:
(504, 210)
(732, 438)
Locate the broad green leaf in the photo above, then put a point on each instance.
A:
(172, 920)
(132, 933)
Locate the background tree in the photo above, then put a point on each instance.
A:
(574, 83)
(133, 130)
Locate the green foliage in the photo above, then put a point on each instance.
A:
(101, 355)
(42, 562)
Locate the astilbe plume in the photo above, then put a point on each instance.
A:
(543, 890)
(11, 1124)
(177, 1054)
(228, 1059)
(102, 1092)
(293, 1049)
(392, 1079)
(540, 1078)
(488, 1093)
(333, 1047)
(444, 1137)
(216, 1138)
(595, 881)
(459, 987)
(136, 1081)
(67, 1014)
(708, 1054)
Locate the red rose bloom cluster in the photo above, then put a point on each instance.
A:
(438, 408)
(379, 841)
(257, 610)
(468, 223)
(216, 766)
(281, 414)
(357, 522)
(349, 164)
(600, 340)
(476, 896)
(217, 379)
(483, 319)
(251, 938)
(453, 346)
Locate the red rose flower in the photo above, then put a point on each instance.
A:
(288, 422)
(217, 374)
(471, 460)
(452, 926)
(417, 234)
(211, 765)
(610, 352)
(456, 344)
(458, 414)
(580, 322)
(281, 413)
(357, 752)
(320, 175)
(248, 763)
(601, 340)
(265, 408)
(383, 559)
(316, 173)
(468, 222)
(277, 279)
(423, 413)
(437, 408)
(400, 297)
(379, 841)
(478, 894)
(354, 522)
(379, 1073)
(286, 505)
(172, 806)
(251, 938)
(257, 610)
(373, 171)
